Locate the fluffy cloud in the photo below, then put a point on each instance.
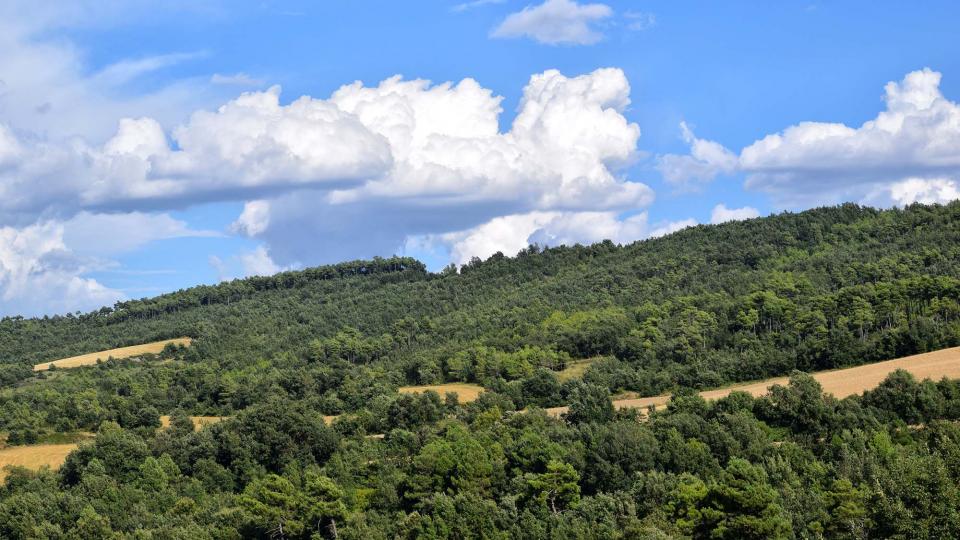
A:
(722, 214)
(254, 262)
(254, 219)
(923, 190)
(909, 152)
(88, 161)
(672, 227)
(706, 160)
(259, 263)
(916, 137)
(249, 146)
(556, 22)
(453, 169)
(353, 175)
(38, 274)
(43, 265)
(510, 234)
(400, 139)
(446, 143)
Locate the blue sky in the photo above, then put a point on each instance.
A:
(123, 180)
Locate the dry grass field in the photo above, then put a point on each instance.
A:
(841, 382)
(122, 352)
(465, 392)
(575, 369)
(34, 456)
(198, 421)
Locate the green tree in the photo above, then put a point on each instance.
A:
(558, 487)
(740, 505)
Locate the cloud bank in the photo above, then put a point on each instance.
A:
(356, 174)
(909, 153)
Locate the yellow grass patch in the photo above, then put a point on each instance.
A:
(34, 457)
(122, 352)
(575, 369)
(198, 421)
(465, 392)
(841, 382)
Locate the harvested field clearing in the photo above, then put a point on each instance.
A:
(34, 456)
(465, 392)
(122, 352)
(575, 369)
(198, 421)
(841, 382)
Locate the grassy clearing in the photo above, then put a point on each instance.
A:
(575, 369)
(122, 352)
(198, 421)
(34, 456)
(465, 392)
(840, 382)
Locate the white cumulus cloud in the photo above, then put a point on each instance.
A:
(706, 160)
(259, 263)
(917, 136)
(910, 152)
(43, 266)
(510, 234)
(722, 214)
(38, 274)
(454, 168)
(556, 22)
(254, 219)
(924, 190)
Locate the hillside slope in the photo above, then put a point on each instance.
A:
(273, 360)
(818, 290)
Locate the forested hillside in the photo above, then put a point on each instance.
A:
(700, 308)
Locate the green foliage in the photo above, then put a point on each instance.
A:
(740, 505)
(558, 488)
(704, 307)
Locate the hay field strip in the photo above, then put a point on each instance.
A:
(841, 382)
(34, 456)
(90, 359)
(465, 392)
(198, 421)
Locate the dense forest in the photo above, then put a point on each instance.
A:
(707, 306)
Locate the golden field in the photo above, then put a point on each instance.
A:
(34, 456)
(841, 382)
(198, 421)
(90, 359)
(465, 392)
